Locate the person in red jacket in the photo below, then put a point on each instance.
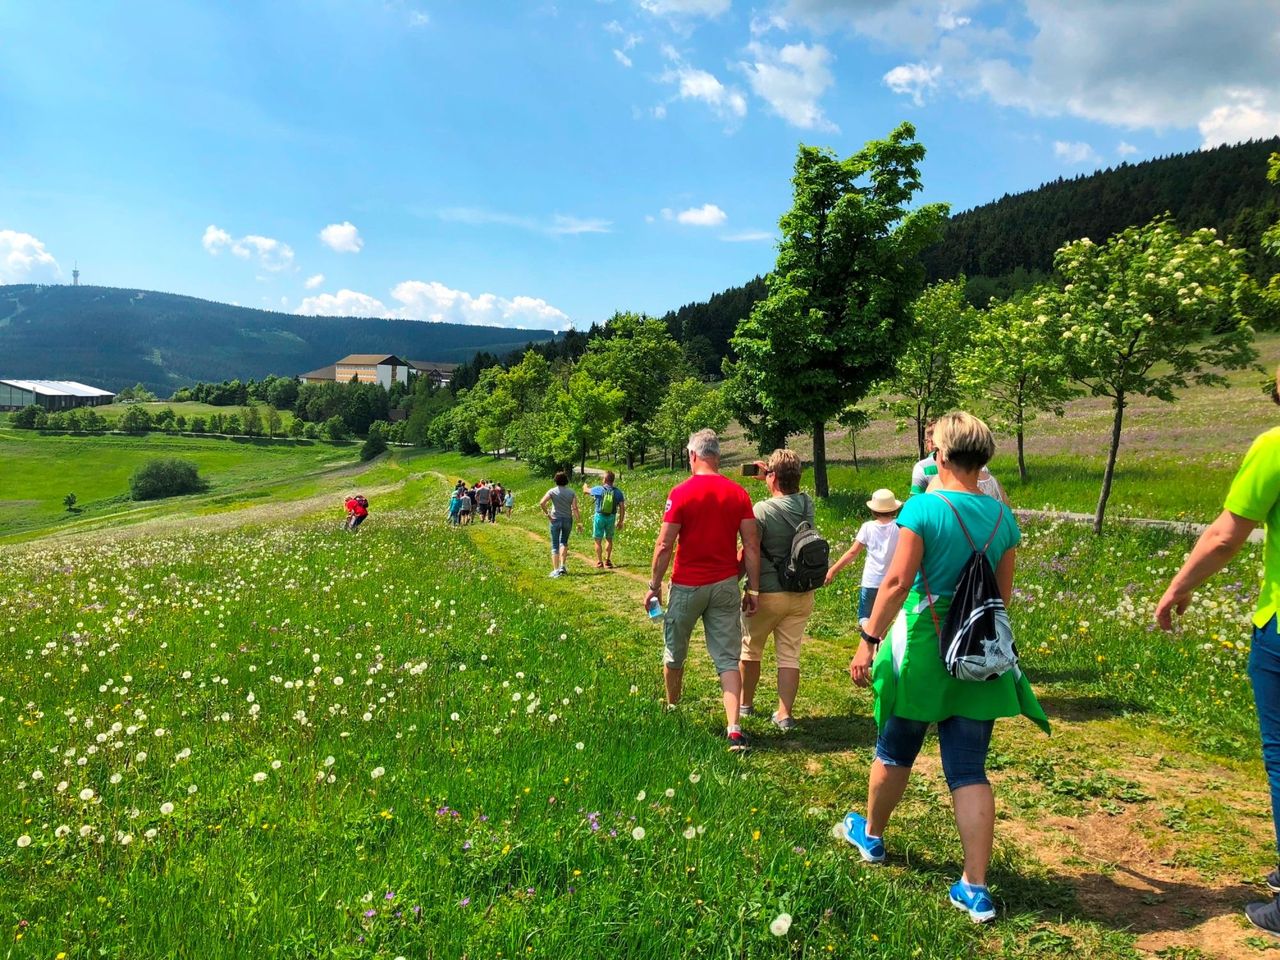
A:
(357, 510)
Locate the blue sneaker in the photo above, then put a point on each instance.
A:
(975, 901)
(855, 831)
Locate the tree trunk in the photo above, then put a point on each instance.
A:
(583, 468)
(1111, 464)
(920, 436)
(853, 439)
(1022, 461)
(820, 459)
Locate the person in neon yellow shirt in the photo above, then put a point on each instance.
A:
(1253, 500)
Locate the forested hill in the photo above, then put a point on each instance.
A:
(1008, 244)
(113, 338)
(1225, 188)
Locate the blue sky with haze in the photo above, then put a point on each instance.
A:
(541, 163)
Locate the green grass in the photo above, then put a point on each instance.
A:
(189, 409)
(229, 640)
(39, 470)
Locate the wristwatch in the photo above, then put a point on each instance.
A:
(870, 640)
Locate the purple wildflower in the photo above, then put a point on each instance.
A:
(464, 902)
(371, 913)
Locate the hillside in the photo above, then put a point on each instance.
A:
(114, 337)
(1008, 244)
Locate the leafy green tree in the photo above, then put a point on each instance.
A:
(296, 428)
(311, 432)
(1015, 363)
(848, 268)
(252, 421)
(689, 405)
(29, 417)
(273, 420)
(165, 478)
(233, 425)
(217, 423)
(589, 411)
(638, 355)
(936, 334)
(283, 393)
(335, 428)
(376, 440)
(69, 501)
(1146, 314)
(199, 425)
(135, 420)
(854, 420)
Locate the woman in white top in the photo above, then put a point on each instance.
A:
(879, 537)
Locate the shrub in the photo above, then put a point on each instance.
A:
(376, 442)
(135, 420)
(334, 428)
(165, 478)
(28, 418)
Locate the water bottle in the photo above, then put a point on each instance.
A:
(655, 610)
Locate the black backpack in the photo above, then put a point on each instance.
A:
(976, 640)
(804, 568)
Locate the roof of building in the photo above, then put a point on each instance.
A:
(324, 373)
(429, 365)
(371, 360)
(58, 388)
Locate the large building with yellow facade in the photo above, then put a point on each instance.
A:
(377, 368)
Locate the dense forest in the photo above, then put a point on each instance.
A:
(1008, 245)
(1225, 188)
(113, 338)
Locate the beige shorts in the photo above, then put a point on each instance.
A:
(784, 615)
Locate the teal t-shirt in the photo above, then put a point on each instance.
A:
(945, 548)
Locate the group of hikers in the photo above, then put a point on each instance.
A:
(935, 643)
(482, 502)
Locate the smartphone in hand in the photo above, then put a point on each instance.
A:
(751, 469)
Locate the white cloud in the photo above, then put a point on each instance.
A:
(911, 24)
(344, 303)
(342, 237)
(613, 26)
(1126, 149)
(667, 213)
(948, 20)
(314, 281)
(419, 19)
(432, 300)
(558, 225)
(748, 236)
(686, 8)
(660, 111)
(271, 254)
(1145, 63)
(621, 57)
(1075, 152)
(707, 215)
(214, 239)
(23, 259)
(762, 25)
(694, 84)
(914, 79)
(792, 80)
(1246, 117)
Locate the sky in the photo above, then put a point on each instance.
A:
(544, 163)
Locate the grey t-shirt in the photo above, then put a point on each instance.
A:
(562, 499)
(777, 519)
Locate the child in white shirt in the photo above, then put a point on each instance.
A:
(879, 537)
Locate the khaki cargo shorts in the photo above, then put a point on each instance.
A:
(719, 607)
(783, 614)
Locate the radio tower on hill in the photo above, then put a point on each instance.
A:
(75, 274)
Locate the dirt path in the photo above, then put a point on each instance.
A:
(1178, 526)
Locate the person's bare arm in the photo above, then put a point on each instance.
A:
(1004, 575)
(662, 550)
(542, 504)
(849, 556)
(577, 514)
(622, 513)
(1220, 542)
(749, 532)
(893, 592)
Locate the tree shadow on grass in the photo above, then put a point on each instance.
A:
(1088, 707)
(823, 734)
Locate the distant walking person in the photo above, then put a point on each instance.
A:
(482, 501)
(611, 508)
(1253, 500)
(509, 502)
(924, 470)
(706, 515)
(464, 505)
(879, 537)
(782, 613)
(564, 510)
(455, 506)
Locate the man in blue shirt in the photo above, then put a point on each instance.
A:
(610, 509)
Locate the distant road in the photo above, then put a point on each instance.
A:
(1178, 526)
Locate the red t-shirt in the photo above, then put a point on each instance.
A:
(710, 509)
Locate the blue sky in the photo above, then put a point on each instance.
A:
(545, 163)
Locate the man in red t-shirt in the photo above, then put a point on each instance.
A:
(705, 516)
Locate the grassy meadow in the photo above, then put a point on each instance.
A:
(236, 731)
(243, 733)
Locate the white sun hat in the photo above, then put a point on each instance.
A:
(883, 501)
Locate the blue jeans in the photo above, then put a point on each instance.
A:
(1264, 673)
(866, 601)
(561, 527)
(962, 742)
